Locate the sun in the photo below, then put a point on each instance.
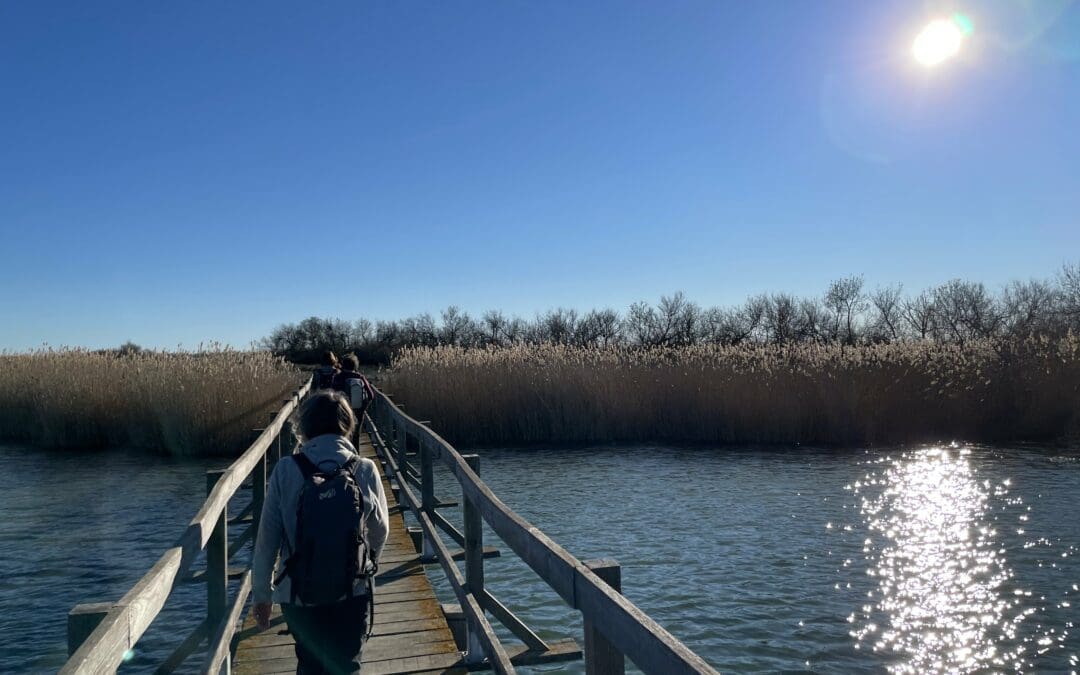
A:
(938, 42)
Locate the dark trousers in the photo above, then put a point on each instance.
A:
(329, 637)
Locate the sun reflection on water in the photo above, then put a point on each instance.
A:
(939, 569)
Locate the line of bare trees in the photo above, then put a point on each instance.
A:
(956, 312)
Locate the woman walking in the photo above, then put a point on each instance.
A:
(326, 513)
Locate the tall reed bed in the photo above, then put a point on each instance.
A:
(830, 394)
(187, 403)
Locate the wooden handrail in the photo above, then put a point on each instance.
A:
(630, 630)
(105, 647)
(497, 656)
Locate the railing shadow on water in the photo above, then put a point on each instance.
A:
(99, 635)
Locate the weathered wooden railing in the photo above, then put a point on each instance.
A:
(614, 627)
(101, 635)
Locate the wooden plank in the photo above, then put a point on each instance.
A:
(475, 619)
(417, 665)
(557, 651)
(375, 650)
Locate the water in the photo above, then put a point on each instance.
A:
(83, 527)
(953, 560)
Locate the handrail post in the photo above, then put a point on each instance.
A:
(217, 560)
(82, 620)
(258, 496)
(474, 561)
(427, 491)
(285, 446)
(601, 657)
(403, 452)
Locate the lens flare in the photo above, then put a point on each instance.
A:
(940, 40)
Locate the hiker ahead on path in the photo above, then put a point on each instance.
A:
(326, 513)
(324, 374)
(355, 386)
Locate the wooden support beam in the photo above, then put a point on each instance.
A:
(427, 489)
(488, 552)
(217, 560)
(238, 543)
(258, 496)
(199, 576)
(244, 517)
(601, 656)
(183, 650)
(218, 648)
(511, 621)
(448, 527)
(474, 561)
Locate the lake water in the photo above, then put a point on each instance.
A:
(760, 560)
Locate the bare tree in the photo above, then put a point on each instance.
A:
(781, 318)
(557, 326)
(457, 328)
(1029, 307)
(845, 300)
(419, 330)
(1069, 296)
(888, 309)
(642, 324)
(598, 327)
(679, 320)
(811, 321)
(964, 310)
(918, 313)
(363, 332)
(494, 325)
(516, 330)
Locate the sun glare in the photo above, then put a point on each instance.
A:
(938, 42)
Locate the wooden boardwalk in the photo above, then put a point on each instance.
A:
(411, 634)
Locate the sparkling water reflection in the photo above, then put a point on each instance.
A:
(939, 569)
(946, 600)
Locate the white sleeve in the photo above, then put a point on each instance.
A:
(268, 540)
(378, 519)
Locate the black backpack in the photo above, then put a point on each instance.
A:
(324, 377)
(330, 553)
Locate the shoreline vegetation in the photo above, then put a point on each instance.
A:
(830, 394)
(203, 402)
(847, 368)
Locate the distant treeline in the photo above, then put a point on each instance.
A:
(955, 312)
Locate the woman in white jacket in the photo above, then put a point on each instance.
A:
(329, 636)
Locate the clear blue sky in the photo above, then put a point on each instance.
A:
(178, 172)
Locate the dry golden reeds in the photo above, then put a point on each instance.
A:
(186, 403)
(829, 394)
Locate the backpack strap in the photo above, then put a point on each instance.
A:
(306, 466)
(351, 465)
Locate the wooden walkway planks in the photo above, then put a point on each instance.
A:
(410, 636)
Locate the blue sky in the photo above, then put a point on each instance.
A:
(172, 173)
